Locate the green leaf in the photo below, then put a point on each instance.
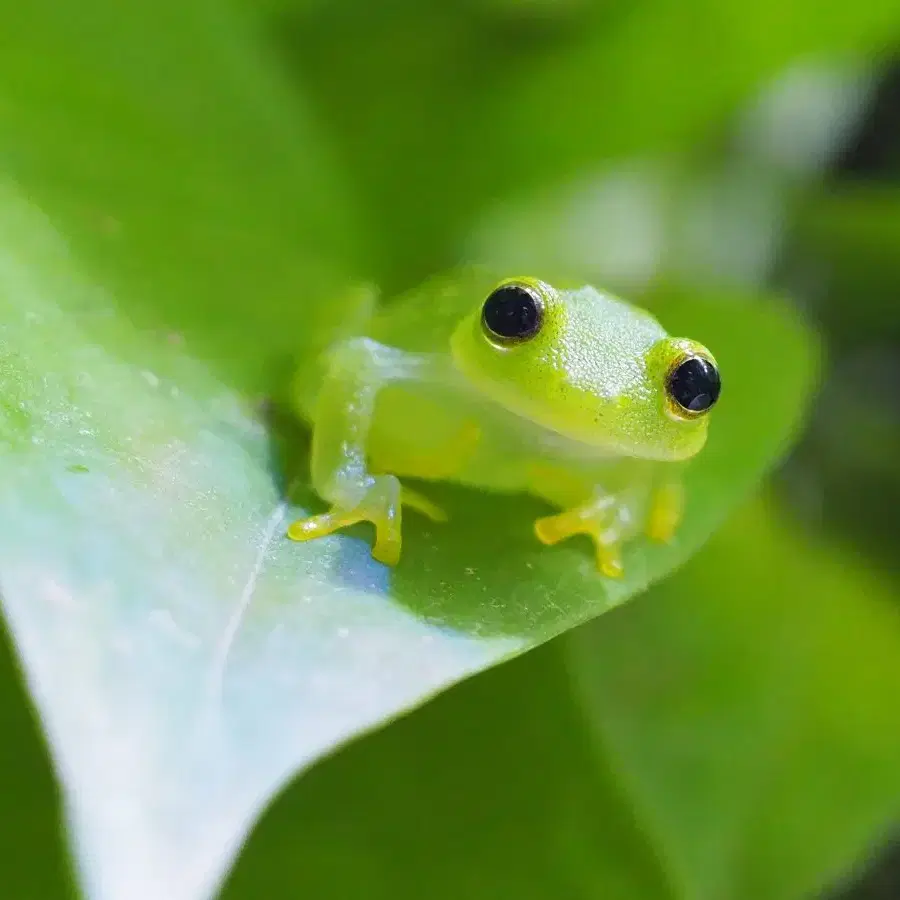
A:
(185, 658)
(748, 712)
(182, 167)
(490, 791)
(856, 227)
(733, 733)
(442, 110)
(173, 221)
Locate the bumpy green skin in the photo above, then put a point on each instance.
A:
(577, 415)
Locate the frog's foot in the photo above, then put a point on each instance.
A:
(666, 509)
(599, 522)
(380, 504)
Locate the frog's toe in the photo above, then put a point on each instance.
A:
(319, 526)
(387, 530)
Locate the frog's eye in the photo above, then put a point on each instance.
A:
(512, 313)
(694, 386)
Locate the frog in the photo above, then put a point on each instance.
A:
(506, 384)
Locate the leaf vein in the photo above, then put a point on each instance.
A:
(226, 642)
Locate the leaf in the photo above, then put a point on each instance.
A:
(732, 733)
(186, 659)
(748, 712)
(33, 854)
(855, 228)
(172, 222)
(489, 791)
(182, 168)
(184, 656)
(444, 110)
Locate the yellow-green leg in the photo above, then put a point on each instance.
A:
(653, 503)
(601, 520)
(381, 504)
(666, 511)
(358, 369)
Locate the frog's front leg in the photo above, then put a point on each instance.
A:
(606, 518)
(612, 516)
(357, 370)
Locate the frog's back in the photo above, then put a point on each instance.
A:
(423, 320)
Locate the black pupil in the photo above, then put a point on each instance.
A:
(695, 385)
(511, 312)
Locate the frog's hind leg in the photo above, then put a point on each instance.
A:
(357, 370)
(666, 511)
(415, 500)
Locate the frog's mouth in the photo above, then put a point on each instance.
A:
(591, 440)
(542, 431)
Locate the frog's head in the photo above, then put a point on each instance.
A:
(589, 367)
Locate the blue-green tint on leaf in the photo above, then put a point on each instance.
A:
(187, 659)
(731, 734)
(184, 656)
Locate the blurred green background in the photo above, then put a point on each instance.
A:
(732, 733)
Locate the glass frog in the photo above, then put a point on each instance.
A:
(507, 385)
